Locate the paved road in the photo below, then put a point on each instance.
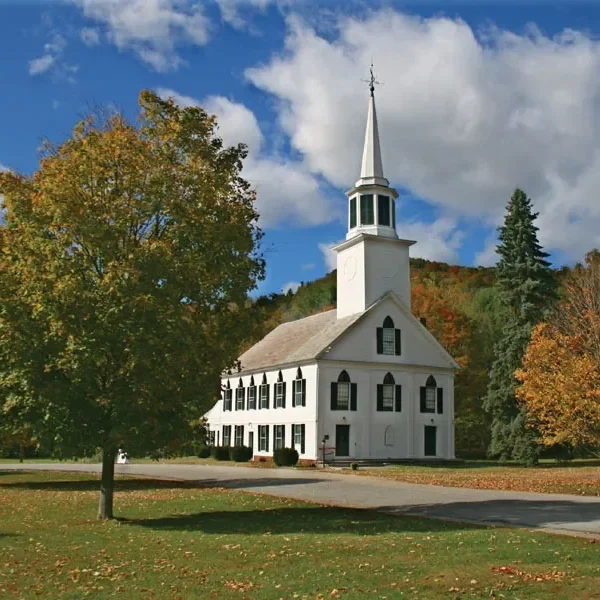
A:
(559, 513)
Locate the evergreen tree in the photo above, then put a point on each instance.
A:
(528, 288)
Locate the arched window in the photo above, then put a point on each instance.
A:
(388, 338)
(251, 404)
(299, 389)
(344, 393)
(228, 397)
(240, 396)
(430, 395)
(263, 399)
(389, 395)
(280, 392)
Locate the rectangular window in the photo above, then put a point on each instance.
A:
(239, 398)
(264, 396)
(263, 438)
(352, 213)
(239, 435)
(278, 436)
(299, 392)
(383, 210)
(226, 435)
(227, 402)
(251, 398)
(389, 341)
(388, 397)
(367, 216)
(343, 396)
(211, 438)
(279, 395)
(298, 437)
(430, 399)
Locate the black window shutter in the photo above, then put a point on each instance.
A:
(379, 396)
(423, 399)
(303, 394)
(333, 395)
(379, 340)
(243, 398)
(274, 437)
(398, 398)
(440, 400)
(398, 343)
(283, 395)
(293, 395)
(267, 438)
(268, 393)
(302, 435)
(283, 436)
(353, 396)
(293, 444)
(234, 399)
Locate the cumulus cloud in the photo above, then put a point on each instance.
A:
(465, 116)
(439, 240)
(234, 12)
(152, 29)
(287, 192)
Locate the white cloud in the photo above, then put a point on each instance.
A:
(51, 60)
(90, 36)
(488, 256)
(39, 66)
(439, 240)
(464, 117)
(291, 286)
(329, 256)
(287, 192)
(233, 11)
(152, 29)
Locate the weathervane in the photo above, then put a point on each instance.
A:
(372, 81)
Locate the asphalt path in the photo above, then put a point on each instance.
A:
(558, 513)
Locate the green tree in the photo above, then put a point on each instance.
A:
(528, 289)
(125, 264)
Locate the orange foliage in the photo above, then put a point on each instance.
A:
(560, 386)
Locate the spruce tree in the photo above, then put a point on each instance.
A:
(528, 288)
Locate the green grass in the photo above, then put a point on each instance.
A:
(180, 541)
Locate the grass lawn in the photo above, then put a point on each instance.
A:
(180, 541)
(579, 477)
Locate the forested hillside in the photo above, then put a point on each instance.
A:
(461, 307)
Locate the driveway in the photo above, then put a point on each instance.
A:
(559, 513)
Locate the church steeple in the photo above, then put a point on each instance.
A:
(372, 167)
(371, 202)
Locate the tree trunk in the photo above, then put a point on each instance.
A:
(105, 506)
(21, 453)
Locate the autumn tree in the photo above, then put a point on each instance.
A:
(528, 289)
(125, 263)
(560, 377)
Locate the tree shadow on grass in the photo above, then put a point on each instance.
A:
(318, 519)
(143, 484)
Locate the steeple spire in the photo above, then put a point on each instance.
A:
(372, 167)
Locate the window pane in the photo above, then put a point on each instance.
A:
(367, 216)
(297, 435)
(383, 209)
(299, 388)
(343, 399)
(352, 213)
(388, 397)
(389, 341)
(252, 397)
(240, 398)
(279, 395)
(430, 394)
(263, 396)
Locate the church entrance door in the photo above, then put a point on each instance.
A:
(342, 440)
(430, 440)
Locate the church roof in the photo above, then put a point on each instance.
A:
(297, 341)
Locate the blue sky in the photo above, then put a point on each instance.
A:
(477, 98)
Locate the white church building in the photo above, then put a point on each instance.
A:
(366, 381)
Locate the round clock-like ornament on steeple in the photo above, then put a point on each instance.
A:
(349, 268)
